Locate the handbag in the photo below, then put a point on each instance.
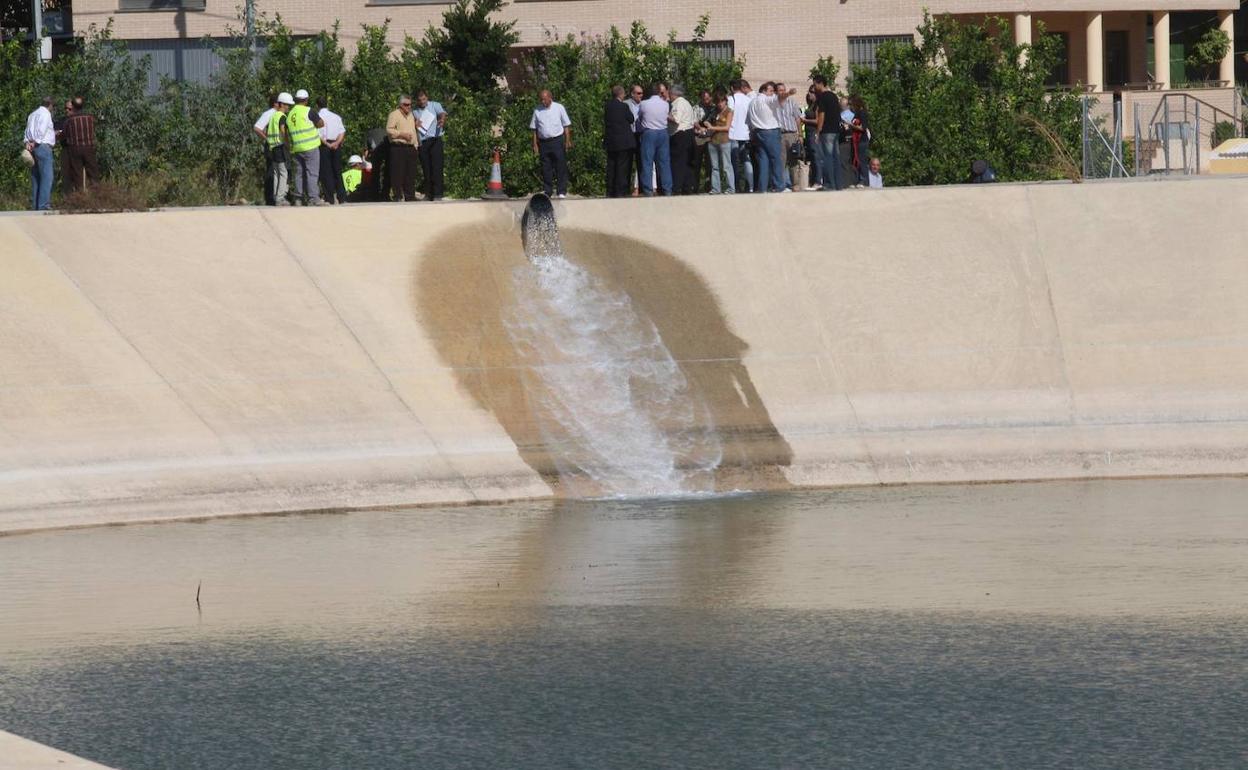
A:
(797, 152)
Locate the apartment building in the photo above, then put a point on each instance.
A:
(1109, 44)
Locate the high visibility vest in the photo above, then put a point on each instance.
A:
(351, 179)
(275, 129)
(303, 133)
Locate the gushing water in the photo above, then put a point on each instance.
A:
(611, 402)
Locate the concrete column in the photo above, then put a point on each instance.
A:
(1022, 32)
(1226, 20)
(1161, 48)
(1096, 52)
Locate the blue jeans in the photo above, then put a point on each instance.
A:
(770, 164)
(815, 155)
(655, 151)
(41, 178)
(721, 160)
(741, 160)
(864, 161)
(830, 157)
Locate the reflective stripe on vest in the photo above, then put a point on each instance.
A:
(351, 179)
(275, 129)
(303, 133)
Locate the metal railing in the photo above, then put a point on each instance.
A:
(1180, 128)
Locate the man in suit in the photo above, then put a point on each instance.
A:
(619, 140)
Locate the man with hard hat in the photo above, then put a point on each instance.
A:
(353, 178)
(261, 129)
(303, 127)
(277, 140)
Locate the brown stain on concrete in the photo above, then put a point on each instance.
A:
(464, 289)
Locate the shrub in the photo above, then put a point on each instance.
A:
(964, 92)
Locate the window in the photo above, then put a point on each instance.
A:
(1060, 74)
(161, 5)
(862, 50)
(408, 2)
(713, 50)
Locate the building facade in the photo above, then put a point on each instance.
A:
(1109, 43)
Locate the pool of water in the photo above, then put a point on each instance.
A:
(1026, 626)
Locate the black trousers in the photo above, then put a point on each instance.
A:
(269, 193)
(431, 164)
(334, 188)
(637, 162)
(554, 164)
(619, 171)
(402, 165)
(683, 176)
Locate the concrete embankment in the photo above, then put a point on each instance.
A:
(196, 363)
(17, 753)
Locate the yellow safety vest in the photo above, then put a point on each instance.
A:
(351, 179)
(275, 129)
(303, 133)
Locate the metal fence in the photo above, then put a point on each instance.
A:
(1103, 148)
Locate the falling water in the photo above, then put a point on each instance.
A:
(611, 402)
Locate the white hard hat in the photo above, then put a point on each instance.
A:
(301, 94)
(285, 98)
(354, 159)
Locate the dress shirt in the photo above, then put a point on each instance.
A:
(78, 130)
(262, 123)
(333, 127)
(429, 128)
(740, 130)
(788, 114)
(682, 111)
(763, 112)
(39, 128)
(549, 122)
(876, 180)
(653, 114)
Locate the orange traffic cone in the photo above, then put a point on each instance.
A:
(494, 190)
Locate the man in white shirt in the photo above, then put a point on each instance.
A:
(431, 125)
(261, 129)
(790, 117)
(874, 177)
(39, 139)
(333, 133)
(635, 95)
(739, 135)
(552, 138)
(766, 128)
(656, 149)
(680, 122)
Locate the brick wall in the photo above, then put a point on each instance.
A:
(777, 40)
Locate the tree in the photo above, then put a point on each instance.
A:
(472, 44)
(964, 92)
(1208, 52)
(828, 67)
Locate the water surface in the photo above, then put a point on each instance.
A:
(1033, 625)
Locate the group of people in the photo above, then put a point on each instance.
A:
(306, 142)
(74, 131)
(743, 141)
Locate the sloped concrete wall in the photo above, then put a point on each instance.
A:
(195, 363)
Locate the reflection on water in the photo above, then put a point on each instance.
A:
(1050, 625)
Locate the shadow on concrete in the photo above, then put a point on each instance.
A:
(464, 289)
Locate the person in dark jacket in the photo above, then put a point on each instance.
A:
(619, 140)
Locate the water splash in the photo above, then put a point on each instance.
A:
(612, 404)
